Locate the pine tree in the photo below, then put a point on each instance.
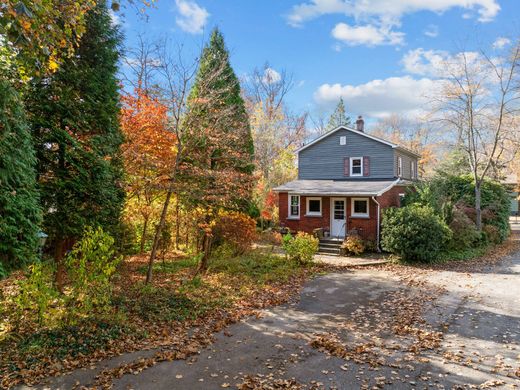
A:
(338, 117)
(219, 141)
(219, 136)
(74, 114)
(19, 204)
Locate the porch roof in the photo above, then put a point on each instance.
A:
(339, 187)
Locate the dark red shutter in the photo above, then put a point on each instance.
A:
(346, 166)
(366, 166)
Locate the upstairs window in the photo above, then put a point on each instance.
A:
(356, 166)
(343, 140)
(399, 166)
(313, 206)
(294, 206)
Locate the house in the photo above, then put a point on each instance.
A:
(345, 178)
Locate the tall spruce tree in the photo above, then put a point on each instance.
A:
(220, 151)
(19, 204)
(339, 116)
(74, 114)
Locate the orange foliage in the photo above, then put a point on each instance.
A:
(149, 149)
(236, 229)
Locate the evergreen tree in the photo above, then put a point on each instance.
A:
(219, 166)
(338, 117)
(74, 114)
(219, 139)
(19, 205)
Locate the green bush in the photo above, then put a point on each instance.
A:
(444, 191)
(38, 300)
(414, 232)
(491, 234)
(301, 248)
(91, 264)
(465, 233)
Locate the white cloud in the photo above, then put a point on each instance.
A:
(366, 35)
(386, 10)
(432, 31)
(115, 20)
(501, 42)
(380, 98)
(192, 17)
(435, 63)
(271, 76)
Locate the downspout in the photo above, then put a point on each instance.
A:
(378, 223)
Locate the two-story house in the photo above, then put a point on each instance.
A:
(345, 178)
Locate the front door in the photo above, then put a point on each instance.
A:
(337, 217)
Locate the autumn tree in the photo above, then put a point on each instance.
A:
(20, 214)
(339, 116)
(218, 164)
(277, 132)
(478, 103)
(75, 118)
(416, 134)
(148, 151)
(40, 34)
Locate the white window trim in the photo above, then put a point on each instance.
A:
(313, 213)
(350, 166)
(399, 166)
(412, 169)
(343, 140)
(359, 215)
(289, 216)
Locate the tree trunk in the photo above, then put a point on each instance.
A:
(157, 236)
(206, 247)
(478, 207)
(143, 237)
(59, 258)
(177, 222)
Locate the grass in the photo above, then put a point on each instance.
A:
(462, 254)
(171, 266)
(257, 266)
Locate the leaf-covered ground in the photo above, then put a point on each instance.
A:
(177, 311)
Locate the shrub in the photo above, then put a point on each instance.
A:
(271, 237)
(353, 244)
(38, 300)
(236, 229)
(301, 248)
(465, 233)
(491, 234)
(414, 232)
(91, 264)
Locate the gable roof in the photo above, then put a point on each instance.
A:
(373, 137)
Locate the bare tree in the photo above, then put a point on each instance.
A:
(142, 62)
(480, 101)
(275, 129)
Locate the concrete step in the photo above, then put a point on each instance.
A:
(329, 251)
(329, 245)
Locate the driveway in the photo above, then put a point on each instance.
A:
(376, 327)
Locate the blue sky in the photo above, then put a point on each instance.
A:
(381, 56)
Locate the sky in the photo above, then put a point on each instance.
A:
(382, 57)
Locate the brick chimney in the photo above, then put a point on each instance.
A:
(360, 124)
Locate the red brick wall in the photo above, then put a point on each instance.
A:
(367, 227)
(305, 223)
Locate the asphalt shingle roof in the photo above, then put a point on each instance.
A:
(338, 187)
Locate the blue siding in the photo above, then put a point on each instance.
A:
(406, 161)
(324, 159)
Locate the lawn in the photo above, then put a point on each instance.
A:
(148, 316)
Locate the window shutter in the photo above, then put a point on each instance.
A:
(346, 166)
(366, 166)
